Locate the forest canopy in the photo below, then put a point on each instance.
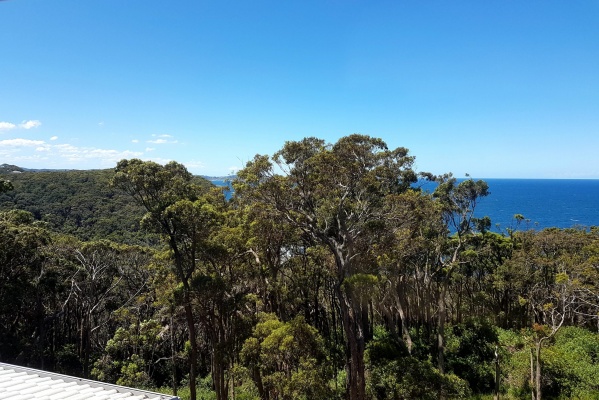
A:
(326, 274)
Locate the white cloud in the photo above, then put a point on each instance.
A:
(6, 126)
(48, 155)
(195, 167)
(30, 124)
(135, 141)
(20, 143)
(194, 164)
(162, 139)
(148, 149)
(233, 170)
(54, 138)
(160, 160)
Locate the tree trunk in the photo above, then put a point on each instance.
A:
(441, 330)
(257, 376)
(532, 376)
(218, 375)
(405, 328)
(86, 343)
(441, 337)
(173, 361)
(193, 356)
(191, 328)
(351, 322)
(218, 368)
(538, 370)
(497, 374)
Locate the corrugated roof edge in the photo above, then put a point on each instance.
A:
(68, 378)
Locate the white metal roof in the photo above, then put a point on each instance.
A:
(19, 383)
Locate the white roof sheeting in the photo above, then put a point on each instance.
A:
(19, 383)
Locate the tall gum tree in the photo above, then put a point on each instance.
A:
(334, 193)
(458, 201)
(560, 285)
(167, 193)
(23, 267)
(404, 254)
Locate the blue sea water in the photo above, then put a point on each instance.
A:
(544, 203)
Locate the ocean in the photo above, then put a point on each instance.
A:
(544, 203)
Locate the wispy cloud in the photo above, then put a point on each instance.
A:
(162, 139)
(7, 126)
(52, 155)
(15, 143)
(54, 138)
(194, 165)
(158, 141)
(30, 124)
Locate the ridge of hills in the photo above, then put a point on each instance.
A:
(77, 202)
(14, 169)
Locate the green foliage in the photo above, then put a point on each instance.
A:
(409, 378)
(203, 391)
(331, 256)
(459, 201)
(5, 186)
(384, 347)
(471, 354)
(288, 357)
(571, 365)
(67, 360)
(395, 375)
(26, 283)
(131, 355)
(133, 373)
(515, 351)
(80, 203)
(242, 385)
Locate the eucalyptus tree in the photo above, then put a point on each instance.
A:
(24, 279)
(284, 357)
(105, 277)
(560, 285)
(176, 209)
(406, 256)
(335, 193)
(285, 267)
(458, 201)
(220, 286)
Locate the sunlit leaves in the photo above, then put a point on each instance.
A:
(5, 186)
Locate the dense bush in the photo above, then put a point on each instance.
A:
(336, 279)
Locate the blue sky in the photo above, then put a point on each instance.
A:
(496, 89)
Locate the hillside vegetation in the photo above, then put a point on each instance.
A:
(326, 275)
(77, 202)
